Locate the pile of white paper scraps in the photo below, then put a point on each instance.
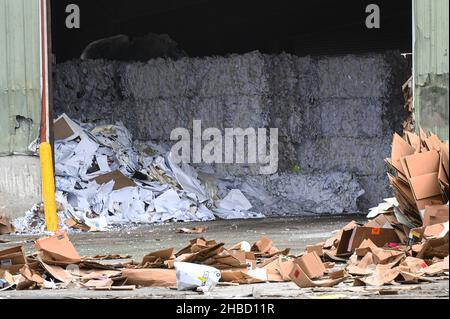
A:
(103, 180)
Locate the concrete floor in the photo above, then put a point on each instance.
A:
(294, 233)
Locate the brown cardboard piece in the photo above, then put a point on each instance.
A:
(380, 277)
(58, 250)
(30, 279)
(312, 265)
(318, 249)
(433, 248)
(5, 226)
(435, 214)
(436, 269)
(239, 277)
(337, 274)
(426, 187)
(422, 163)
(57, 272)
(400, 148)
(99, 283)
(12, 259)
(263, 245)
(120, 180)
(151, 277)
(6, 275)
(279, 269)
(157, 259)
(299, 277)
(227, 259)
(415, 265)
(62, 129)
(352, 239)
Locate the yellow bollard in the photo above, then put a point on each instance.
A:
(48, 187)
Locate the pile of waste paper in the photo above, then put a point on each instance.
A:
(104, 179)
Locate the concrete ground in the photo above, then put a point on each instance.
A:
(294, 233)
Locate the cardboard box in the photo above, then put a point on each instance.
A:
(301, 279)
(352, 239)
(5, 226)
(312, 265)
(12, 259)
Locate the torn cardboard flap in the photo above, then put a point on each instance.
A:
(318, 249)
(352, 239)
(263, 245)
(57, 272)
(241, 277)
(157, 258)
(312, 265)
(66, 129)
(58, 250)
(5, 226)
(400, 148)
(436, 269)
(12, 259)
(300, 278)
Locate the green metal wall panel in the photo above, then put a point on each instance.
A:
(431, 65)
(19, 75)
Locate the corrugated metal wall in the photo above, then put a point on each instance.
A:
(19, 75)
(431, 65)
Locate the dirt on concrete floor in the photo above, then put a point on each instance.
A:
(295, 233)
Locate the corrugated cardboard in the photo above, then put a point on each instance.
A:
(5, 226)
(302, 280)
(318, 249)
(151, 277)
(425, 186)
(352, 239)
(312, 265)
(58, 250)
(239, 276)
(422, 163)
(400, 148)
(62, 129)
(157, 257)
(12, 259)
(263, 245)
(435, 214)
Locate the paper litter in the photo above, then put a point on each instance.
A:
(103, 179)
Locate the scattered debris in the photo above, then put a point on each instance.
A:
(194, 230)
(404, 241)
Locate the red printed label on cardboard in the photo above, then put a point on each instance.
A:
(376, 231)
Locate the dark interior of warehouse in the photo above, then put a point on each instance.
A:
(313, 69)
(207, 27)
